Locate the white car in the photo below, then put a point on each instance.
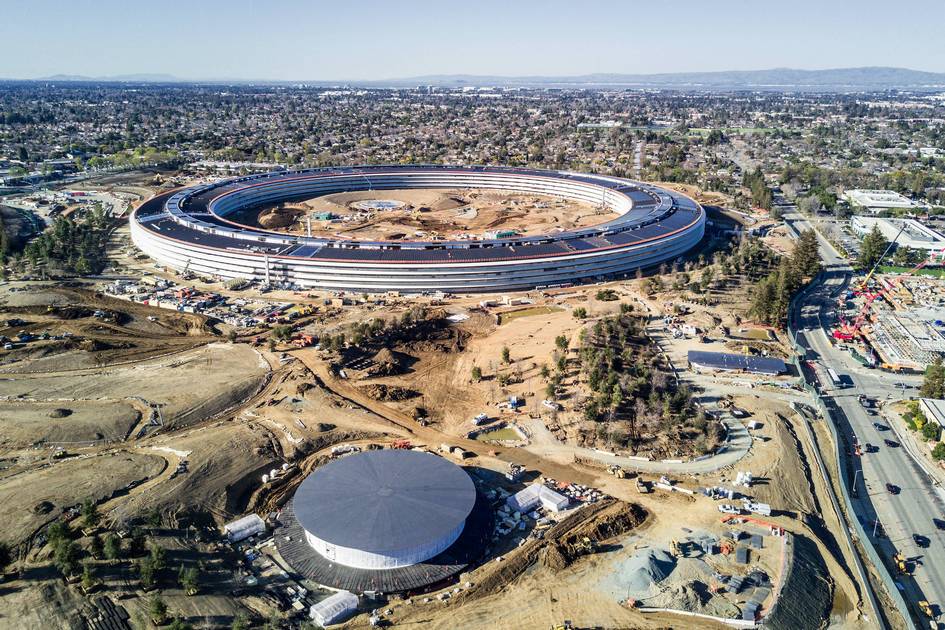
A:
(551, 405)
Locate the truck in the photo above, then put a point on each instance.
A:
(480, 419)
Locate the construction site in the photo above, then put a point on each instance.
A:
(418, 214)
(895, 321)
(172, 420)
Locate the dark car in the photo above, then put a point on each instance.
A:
(939, 523)
(891, 443)
(880, 426)
(869, 448)
(921, 541)
(892, 488)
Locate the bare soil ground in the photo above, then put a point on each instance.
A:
(65, 423)
(429, 213)
(188, 386)
(32, 498)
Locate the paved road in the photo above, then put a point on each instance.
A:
(919, 501)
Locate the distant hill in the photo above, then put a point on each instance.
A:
(118, 78)
(874, 78)
(776, 79)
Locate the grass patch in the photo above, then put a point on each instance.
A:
(935, 273)
(527, 312)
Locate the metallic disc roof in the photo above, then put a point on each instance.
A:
(384, 501)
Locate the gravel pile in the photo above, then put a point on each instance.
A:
(644, 571)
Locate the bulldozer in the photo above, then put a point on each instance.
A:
(567, 625)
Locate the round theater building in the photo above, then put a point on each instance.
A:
(384, 520)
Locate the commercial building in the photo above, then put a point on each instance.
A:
(875, 201)
(245, 527)
(934, 410)
(190, 230)
(333, 609)
(910, 233)
(728, 362)
(386, 520)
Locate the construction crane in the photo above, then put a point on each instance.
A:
(848, 332)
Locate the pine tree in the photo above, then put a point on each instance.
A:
(934, 384)
(872, 247)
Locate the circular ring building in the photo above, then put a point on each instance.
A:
(383, 520)
(188, 229)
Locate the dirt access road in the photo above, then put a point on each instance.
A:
(309, 357)
(542, 462)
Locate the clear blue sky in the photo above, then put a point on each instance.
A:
(352, 39)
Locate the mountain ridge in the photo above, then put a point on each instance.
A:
(787, 79)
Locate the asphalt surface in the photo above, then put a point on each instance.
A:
(890, 519)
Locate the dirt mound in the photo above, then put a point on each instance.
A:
(557, 548)
(448, 202)
(278, 217)
(386, 363)
(438, 338)
(60, 412)
(70, 312)
(389, 393)
(553, 558)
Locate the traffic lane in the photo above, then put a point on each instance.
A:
(902, 515)
(907, 513)
(872, 506)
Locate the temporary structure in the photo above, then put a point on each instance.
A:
(333, 609)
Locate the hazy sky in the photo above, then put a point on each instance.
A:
(351, 39)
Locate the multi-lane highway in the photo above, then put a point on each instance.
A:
(891, 518)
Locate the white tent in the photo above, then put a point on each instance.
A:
(535, 495)
(244, 527)
(333, 609)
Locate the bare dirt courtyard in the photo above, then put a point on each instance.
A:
(426, 213)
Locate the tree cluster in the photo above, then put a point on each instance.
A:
(772, 296)
(872, 248)
(73, 247)
(933, 385)
(629, 383)
(760, 193)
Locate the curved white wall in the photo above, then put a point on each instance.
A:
(489, 273)
(360, 559)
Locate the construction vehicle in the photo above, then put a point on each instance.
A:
(303, 341)
(901, 565)
(567, 625)
(642, 486)
(587, 546)
(617, 471)
(926, 608)
(402, 445)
